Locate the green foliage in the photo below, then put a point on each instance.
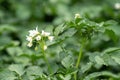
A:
(7, 74)
(86, 47)
(112, 35)
(67, 62)
(17, 68)
(104, 73)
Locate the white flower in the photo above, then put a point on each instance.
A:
(77, 16)
(117, 6)
(44, 47)
(45, 33)
(38, 37)
(51, 38)
(33, 33)
(30, 44)
(29, 38)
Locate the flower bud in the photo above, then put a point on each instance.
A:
(44, 47)
(77, 16)
(29, 38)
(30, 44)
(50, 38)
(45, 33)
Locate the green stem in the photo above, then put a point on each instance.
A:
(42, 43)
(79, 57)
(49, 68)
(78, 61)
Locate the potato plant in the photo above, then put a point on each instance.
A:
(59, 40)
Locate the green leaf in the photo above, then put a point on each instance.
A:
(54, 68)
(68, 33)
(7, 75)
(71, 24)
(4, 42)
(33, 73)
(99, 60)
(59, 29)
(86, 67)
(34, 70)
(116, 59)
(13, 51)
(7, 28)
(111, 50)
(66, 77)
(111, 34)
(67, 61)
(18, 68)
(71, 70)
(77, 20)
(103, 73)
(110, 22)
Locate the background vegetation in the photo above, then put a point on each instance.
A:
(101, 55)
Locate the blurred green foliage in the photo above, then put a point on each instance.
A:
(101, 58)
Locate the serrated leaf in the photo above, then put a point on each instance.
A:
(67, 61)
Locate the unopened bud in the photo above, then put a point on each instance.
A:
(77, 16)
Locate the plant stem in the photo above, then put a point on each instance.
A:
(78, 61)
(79, 57)
(49, 68)
(42, 43)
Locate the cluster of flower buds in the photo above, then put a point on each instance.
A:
(36, 36)
(117, 5)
